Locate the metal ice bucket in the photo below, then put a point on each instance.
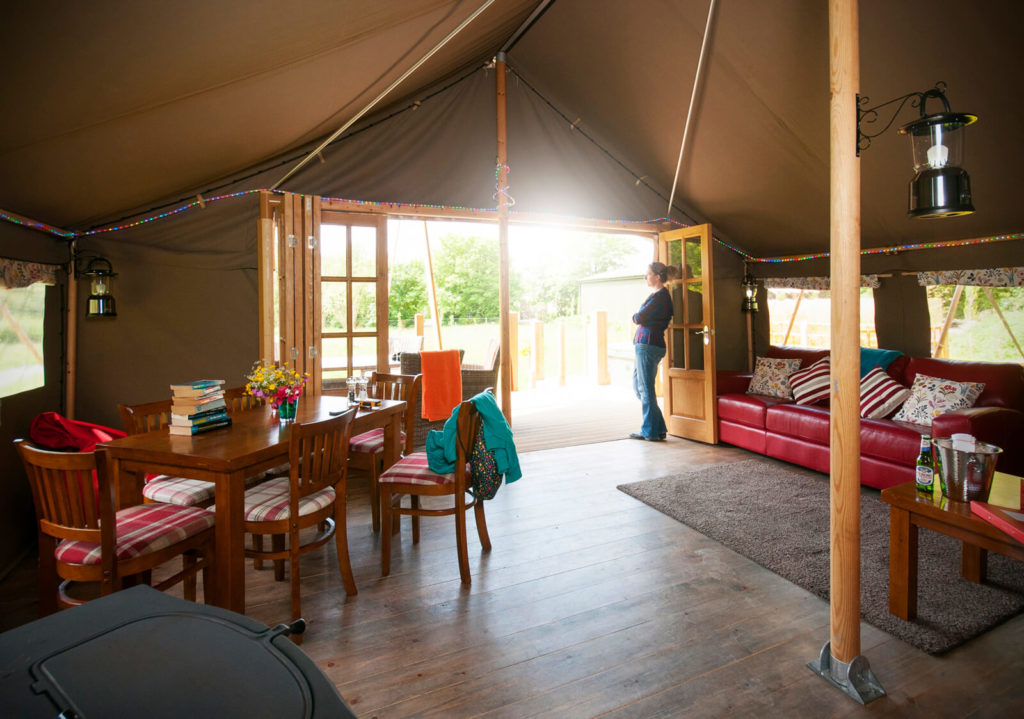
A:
(965, 475)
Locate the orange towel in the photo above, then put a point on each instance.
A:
(442, 383)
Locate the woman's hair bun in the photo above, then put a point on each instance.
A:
(665, 272)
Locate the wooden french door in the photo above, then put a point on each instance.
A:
(323, 290)
(690, 408)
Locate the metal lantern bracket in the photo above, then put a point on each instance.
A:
(869, 115)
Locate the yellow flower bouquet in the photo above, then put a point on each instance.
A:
(278, 385)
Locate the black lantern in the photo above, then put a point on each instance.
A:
(749, 293)
(101, 277)
(941, 187)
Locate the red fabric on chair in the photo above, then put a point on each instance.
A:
(442, 383)
(52, 431)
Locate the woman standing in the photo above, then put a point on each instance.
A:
(649, 346)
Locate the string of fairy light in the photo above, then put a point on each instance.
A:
(201, 201)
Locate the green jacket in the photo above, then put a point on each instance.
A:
(441, 446)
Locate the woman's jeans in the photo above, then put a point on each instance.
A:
(646, 369)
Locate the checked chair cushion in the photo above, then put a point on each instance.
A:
(142, 529)
(413, 469)
(269, 502)
(184, 492)
(370, 442)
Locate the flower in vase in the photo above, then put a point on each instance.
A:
(274, 383)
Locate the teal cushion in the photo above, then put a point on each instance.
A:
(871, 358)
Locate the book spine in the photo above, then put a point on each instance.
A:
(175, 429)
(217, 416)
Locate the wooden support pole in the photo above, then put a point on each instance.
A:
(504, 304)
(538, 352)
(844, 445)
(433, 286)
(71, 348)
(1006, 325)
(937, 351)
(513, 341)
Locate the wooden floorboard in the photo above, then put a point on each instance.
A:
(593, 604)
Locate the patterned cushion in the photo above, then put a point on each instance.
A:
(268, 502)
(141, 530)
(413, 469)
(370, 442)
(186, 492)
(178, 490)
(880, 395)
(811, 384)
(931, 396)
(771, 377)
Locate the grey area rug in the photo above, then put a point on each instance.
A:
(778, 515)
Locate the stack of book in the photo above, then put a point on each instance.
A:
(198, 407)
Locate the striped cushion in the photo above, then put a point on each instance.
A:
(880, 395)
(413, 469)
(811, 385)
(370, 442)
(268, 502)
(141, 530)
(185, 492)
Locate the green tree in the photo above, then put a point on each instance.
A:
(466, 271)
(407, 295)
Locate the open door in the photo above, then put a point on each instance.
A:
(690, 407)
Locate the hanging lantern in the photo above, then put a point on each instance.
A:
(749, 292)
(941, 187)
(101, 277)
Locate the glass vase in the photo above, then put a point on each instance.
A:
(286, 410)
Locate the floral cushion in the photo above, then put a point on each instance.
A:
(270, 501)
(931, 396)
(142, 529)
(413, 469)
(811, 384)
(771, 377)
(880, 395)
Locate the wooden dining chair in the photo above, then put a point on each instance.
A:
(238, 401)
(366, 450)
(83, 539)
(312, 495)
(411, 475)
(184, 492)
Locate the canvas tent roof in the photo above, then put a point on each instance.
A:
(114, 108)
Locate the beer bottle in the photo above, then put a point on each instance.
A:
(925, 472)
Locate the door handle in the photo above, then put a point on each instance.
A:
(706, 333)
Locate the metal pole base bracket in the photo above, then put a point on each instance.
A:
(853, 678)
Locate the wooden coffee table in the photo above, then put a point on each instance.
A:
(908, 510)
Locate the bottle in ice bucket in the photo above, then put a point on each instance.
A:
(925, 472)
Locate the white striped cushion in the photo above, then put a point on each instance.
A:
(880, 394)
(268, 502)
(810, 385)
(142, 529)
(370, 442)
(413, 469)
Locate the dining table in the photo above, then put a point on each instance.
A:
(254, 442)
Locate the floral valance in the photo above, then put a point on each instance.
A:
(813, 283)
(992, 277)
(15, 273)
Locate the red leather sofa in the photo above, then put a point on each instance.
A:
(799, 434)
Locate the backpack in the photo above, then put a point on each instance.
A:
(484, 478)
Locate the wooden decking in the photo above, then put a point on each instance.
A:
(593, 604)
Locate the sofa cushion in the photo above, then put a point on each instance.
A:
(771, 377)
(1004, 381)
(932, 396)
(799, 421)
(880, 396)
(871, 357)
(746, 409)
(811, 384)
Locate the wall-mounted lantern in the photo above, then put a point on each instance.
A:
(101, 278)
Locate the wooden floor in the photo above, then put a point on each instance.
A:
(593, 604)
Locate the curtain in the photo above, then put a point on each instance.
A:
(814, 283)
(993, 277)
(15, 274)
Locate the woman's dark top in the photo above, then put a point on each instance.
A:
(652, 319)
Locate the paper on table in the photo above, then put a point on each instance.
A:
(1005, 491)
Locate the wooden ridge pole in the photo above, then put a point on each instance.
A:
(504, 305)
(840, 661)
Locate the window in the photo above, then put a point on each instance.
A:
(976, 323)
(802, 317)
(21, 338)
